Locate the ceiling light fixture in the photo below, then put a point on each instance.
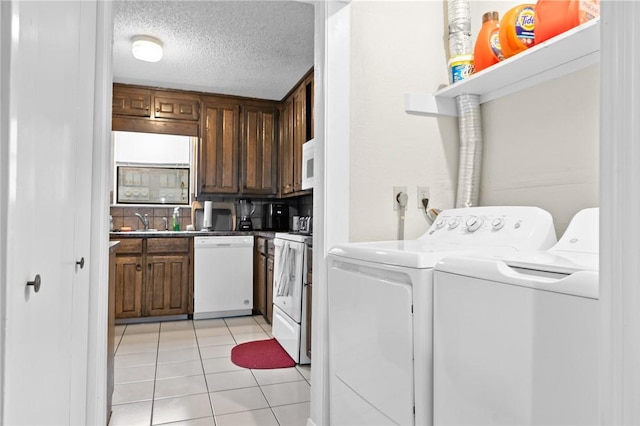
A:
(147, 48)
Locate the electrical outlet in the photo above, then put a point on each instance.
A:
(396, 191)
(423, 192)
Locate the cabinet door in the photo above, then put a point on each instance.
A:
(260, 284)
(309, 82)
(131, 101)
(218, 159)
(167, 285)
(299, 133)
(286, 147)
(128, 286)
(269, 289)
(259, 160)
(176, 108)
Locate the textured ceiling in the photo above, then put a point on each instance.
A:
(258, 49)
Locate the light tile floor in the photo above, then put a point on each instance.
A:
(180, 372)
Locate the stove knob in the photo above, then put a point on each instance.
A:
(440, 223)
(497, 223)
(453, 223)
(473, 223)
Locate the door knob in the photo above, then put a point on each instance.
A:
(80, 263)
(35, 283)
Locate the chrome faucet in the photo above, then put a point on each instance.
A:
(144, 220)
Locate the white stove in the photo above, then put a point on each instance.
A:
(289, 321)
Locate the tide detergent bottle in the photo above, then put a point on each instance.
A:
(557, 16)
(487, 50)
(517, 29)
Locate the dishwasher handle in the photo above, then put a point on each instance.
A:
(223, 242)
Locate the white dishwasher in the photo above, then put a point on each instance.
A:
(223, 276)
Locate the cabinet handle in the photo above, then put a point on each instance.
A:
(157, 109)
(149, 266)
(80, 263)
(138, 267)
(35, 283)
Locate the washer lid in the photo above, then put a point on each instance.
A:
(418, 254)
(555, 261)
(494, 229)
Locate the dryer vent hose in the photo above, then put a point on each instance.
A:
(470, 163)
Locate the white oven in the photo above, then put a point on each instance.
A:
(289, 322)
(308, 154)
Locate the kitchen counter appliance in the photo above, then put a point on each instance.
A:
(275, 217)
(223, 276)
(246, 210)
(223, 216)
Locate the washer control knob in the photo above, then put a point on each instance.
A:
(453, 223)
(440, 223)
(497, 223)
(473, 223)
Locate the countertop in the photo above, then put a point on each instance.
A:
(113, 246)
(189, 234)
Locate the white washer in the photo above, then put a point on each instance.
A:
(380, 310)
(516, 337)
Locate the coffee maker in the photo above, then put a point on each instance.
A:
(275, 217)
(246, 210)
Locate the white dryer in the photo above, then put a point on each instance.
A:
(380, 310)
(516, 337)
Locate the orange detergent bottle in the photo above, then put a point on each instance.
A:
(517, 29)
(557, 16)
(487, 50)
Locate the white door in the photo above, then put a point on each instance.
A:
(47, 103)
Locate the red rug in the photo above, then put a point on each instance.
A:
(261, 354)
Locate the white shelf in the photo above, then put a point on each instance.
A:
(564, 54)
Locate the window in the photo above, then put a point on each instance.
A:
(152, 168)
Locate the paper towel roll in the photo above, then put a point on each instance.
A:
(208, 214)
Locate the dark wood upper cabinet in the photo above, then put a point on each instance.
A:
(181, 108)
(131, 101)
(299, 133)
(286, 147)
(219, 147)
(296, 128)
(259, 152)
(246, 146)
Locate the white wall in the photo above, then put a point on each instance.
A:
(536, 152)
(541, 147)
(397, 47)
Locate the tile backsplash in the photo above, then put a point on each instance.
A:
(125, 215)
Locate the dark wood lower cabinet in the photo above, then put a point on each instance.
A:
(153, 277)
(166, 292)
(270, 254)
(128, 282)
(260, 277)
(263, 278)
